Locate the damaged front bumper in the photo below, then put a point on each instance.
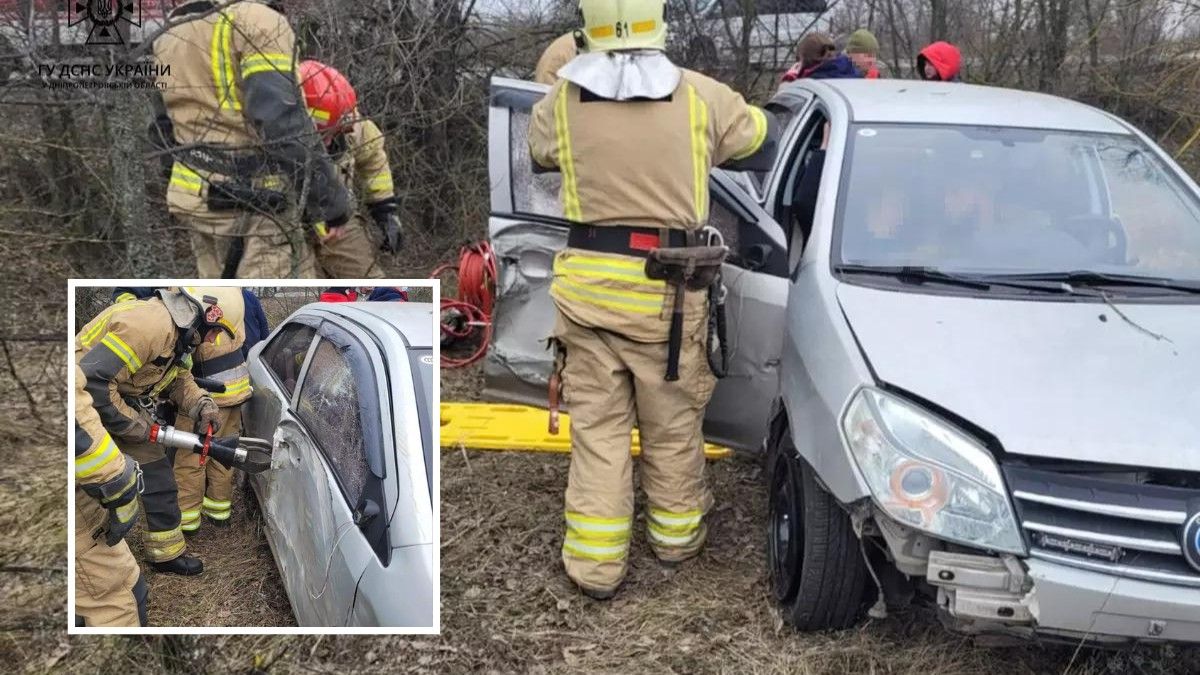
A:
(1027, 598)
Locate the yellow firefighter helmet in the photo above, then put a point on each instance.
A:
(610, 25)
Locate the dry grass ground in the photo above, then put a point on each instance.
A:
(506, 606)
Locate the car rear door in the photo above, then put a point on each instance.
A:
(526, 229)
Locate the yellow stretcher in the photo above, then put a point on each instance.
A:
(501, 426)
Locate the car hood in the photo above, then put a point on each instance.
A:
(1063, 380)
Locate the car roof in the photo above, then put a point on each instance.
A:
(413, 320)
(914, 101)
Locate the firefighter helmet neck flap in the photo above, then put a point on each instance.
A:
(196, 312)
(622, 44)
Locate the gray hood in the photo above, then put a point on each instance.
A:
(1050, 379)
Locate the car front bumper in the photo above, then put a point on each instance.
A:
(1036, 597)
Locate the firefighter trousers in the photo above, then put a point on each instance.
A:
(207, 489)
(109, 588)
(353, 256)
(162, 538)
(612, 383)
(273, 246)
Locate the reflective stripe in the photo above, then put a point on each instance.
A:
(189, 515)
(90, 463)
(631, 301)
(380, 182)
(593, 552)
(126, 297)
(101, 322)
(218, 515)
(186, 179)
(318, 114)
(760, 133)
(190, 525)
(266, 61)
(123, 351)
(566, 164)
(698, 117)
(126, 512)
(221, 56)
(607, 268)
(644, 26)
(164, 545)
(131, 482)
(672, 519)
(670, 539)
(672, 528)
(167, 379)
(217, 504)
(579, 521)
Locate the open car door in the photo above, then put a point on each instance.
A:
(526, 229)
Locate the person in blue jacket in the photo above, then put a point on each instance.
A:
(389, 294)
(256, 321)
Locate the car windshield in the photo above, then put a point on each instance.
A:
(982, 200)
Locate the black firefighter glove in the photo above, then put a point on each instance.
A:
(384, 214)
(119, 497)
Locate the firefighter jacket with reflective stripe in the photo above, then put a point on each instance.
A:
(363, 163)
(227, 73)
(558, 54)
(97, 457)
(222, 360)
(639, 163)
(128, 351)
(209, 57)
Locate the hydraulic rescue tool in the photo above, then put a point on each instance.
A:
(252, 455)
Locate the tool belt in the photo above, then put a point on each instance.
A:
(224, 161)
(688, 260)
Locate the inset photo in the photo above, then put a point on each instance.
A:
(254, 458)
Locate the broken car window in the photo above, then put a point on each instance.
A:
(329, 407)
(285, 355)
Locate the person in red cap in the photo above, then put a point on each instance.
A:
(939, 61)
(357, 148)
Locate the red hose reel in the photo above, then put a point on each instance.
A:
(468, 316)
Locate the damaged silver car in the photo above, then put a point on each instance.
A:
(965, 335)
(345, 392)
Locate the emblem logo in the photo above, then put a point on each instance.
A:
(105, 17)
(1191, 541)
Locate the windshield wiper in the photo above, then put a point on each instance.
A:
(918, 274)
(1090, 279)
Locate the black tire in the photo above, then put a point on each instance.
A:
(818, 576)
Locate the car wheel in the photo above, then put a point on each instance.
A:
(818, 576)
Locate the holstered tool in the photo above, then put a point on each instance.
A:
(691, 268)
(555, 388)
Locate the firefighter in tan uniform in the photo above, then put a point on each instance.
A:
(558, 54)
(634, 138)
(132, 355)
(231, 118)
(357, 148)
(109, 588)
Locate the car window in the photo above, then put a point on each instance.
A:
(976, 199)
(535, 193)
(285, 354)
(329, 408)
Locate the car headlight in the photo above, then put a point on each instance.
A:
(929, 475)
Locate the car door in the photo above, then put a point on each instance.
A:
(333, 433)
(526, 229)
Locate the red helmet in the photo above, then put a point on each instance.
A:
(327, 93)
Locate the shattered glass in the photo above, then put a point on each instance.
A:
(329, 407)
(285, 355)
(535, 193)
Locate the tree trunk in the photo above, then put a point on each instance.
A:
(938, 27)
(126, 127)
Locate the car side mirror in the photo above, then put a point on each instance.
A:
(365, 513)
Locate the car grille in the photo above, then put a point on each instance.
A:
(1122, 528)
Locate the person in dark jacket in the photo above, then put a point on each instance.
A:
(819, 60)
(940, 61)
(256, 321)
(388, 294)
